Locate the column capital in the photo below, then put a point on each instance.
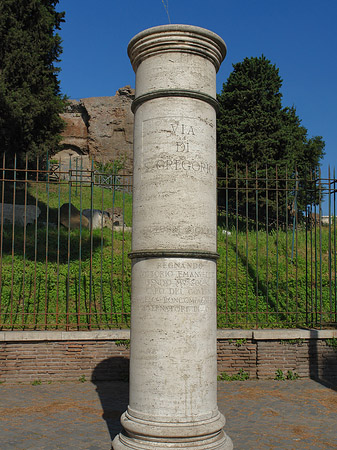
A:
(177, 38)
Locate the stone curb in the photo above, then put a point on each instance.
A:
(266, 335)
(116, 334)
(19, 336)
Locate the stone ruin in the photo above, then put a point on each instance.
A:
(112, 218)
(98, 128)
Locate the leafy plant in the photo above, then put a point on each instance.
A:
(279, 375)
(331, 343)
(123, 342)
(82, 379)
(298, 341)
(110, 168)
(238, 342)
(36, 382)
(240, 376)
(292, 375)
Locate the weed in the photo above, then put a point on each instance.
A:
(298, 341)
(124, 342)
(82, 379)
(240, 376)
(292, 375)
(331, 343)
(36, 382)
(280, 376)
(238, 342)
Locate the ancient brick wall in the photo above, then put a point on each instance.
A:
(68, 356)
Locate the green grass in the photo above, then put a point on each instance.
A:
(52, 278)
(55, 278)
(263, 285)
(57, 291)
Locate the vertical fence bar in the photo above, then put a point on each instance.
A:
(306, 249)
(24, 244)
(334, 240)
(58, 248)
(123, 259)
(267, 247)
(296, 242)
(92, 182)
(313, 192)
(76, 175)
(226, 308)
(47, 247)
(286, 255)
(329, 249)
(112, 306)
(35, 236)
(236, 242)
(13, 242)
(79, 251)
(68, 246)
(320, 249)
(247, 242)
(277, 244)
(257, 245)
(2, 320)
(315, 247)
(102, 241)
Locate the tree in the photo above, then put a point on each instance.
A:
(255, 131)
(30, 98)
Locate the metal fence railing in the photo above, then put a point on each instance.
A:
(63, 246)
(277, 264)
(65, 236)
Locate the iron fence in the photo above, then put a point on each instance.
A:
(65, 236)
(63, 246)
(277, 264)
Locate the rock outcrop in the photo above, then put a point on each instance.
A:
(100, 128)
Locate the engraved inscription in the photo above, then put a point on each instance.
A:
(177, 287)
(187, 232)
(181, 164)
(182, 132)
(177, 145)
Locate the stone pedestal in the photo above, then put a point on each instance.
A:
(173, 367)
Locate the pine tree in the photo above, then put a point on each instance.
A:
(254, 131)
(30, 98)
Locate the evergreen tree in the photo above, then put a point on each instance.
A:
(30, 99)
(254, 131)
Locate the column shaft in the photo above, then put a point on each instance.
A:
(173, 367)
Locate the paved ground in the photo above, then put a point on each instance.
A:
(260, 415)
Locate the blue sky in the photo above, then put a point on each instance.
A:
(299, 36)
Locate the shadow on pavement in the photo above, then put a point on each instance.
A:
(111, 380)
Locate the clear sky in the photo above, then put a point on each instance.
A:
(299, 36)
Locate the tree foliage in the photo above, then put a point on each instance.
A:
(254, 131)
(30, 98)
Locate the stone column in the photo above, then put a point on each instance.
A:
(173, 366)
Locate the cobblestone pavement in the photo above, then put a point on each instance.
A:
(261, 415)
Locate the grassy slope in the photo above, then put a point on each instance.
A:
(48, 285)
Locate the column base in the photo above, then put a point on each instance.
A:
(147, 435)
